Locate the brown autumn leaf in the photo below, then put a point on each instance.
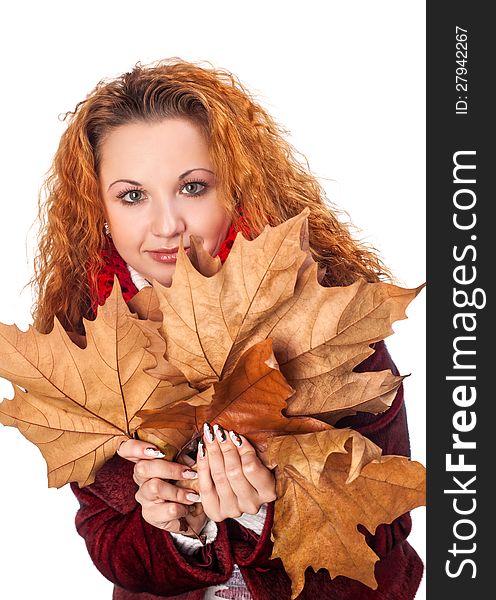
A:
(146, 307)
(264, 291)
(208, 318)
(251, 400)
(77, 405)
(328, 483)
(335, 328)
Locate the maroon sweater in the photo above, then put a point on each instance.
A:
(144, 564)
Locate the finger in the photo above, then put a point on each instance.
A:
(165, 516)
(209, 497)
(188, 461)
(135, 450)
(157, 518)
(227, 498)
(254, 470)
(247, 495)
(158, 491)
(163, 469)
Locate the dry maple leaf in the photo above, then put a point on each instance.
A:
(250, 400)
(269, 288)
(208, 318)
(324, 333)
(146, 307)
(77, 405)
(327, 484)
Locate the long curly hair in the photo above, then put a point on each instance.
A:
(257, 171)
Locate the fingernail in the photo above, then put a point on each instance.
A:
(154, 452)
(190, 474)
(235, 438)
(209, 435)
(201, 449)
(193, 497)
(220, 433)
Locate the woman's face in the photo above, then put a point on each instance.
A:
(158, 183)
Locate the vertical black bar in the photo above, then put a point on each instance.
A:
(461, 250)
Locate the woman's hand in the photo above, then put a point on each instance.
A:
(232, 480)
(163, 503)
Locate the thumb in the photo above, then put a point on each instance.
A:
(135, 450)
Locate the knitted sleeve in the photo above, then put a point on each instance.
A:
(132, 553)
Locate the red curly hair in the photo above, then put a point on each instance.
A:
(256, 169)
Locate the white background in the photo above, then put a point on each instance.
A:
(346, 78)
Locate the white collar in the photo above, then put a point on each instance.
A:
(139, 281)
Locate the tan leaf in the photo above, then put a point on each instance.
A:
(202, 261)
(328, 483)
(249, 400)
(319, 334)
(146, 307)
(308, 453)
(77, 405)
(206, 318)
(175, 425)
(378, 390)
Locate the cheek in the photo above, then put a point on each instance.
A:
(121, 217)
(125, 227)
(216, 230)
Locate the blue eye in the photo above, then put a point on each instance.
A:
(191, 188)
(131, 196)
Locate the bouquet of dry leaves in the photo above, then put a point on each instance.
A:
(257, 345)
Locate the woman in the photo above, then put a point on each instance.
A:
(160, 153)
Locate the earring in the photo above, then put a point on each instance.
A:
(106, 228)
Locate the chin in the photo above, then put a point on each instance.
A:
(165, 283)
(163, 279)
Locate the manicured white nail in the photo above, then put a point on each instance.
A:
(154, 452)
(193, 497)
(235, 437)
(190, 474)
(209, 435)
(201, 450)
(220, 433)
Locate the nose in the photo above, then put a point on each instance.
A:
(167, 219)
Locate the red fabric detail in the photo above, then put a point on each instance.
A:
(114, 266)
(240, 226)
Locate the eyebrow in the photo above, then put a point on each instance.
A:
(182, 176)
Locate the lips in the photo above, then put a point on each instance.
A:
(165, 255)
(166, 250)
